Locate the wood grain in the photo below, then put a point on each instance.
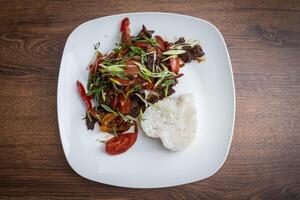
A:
(263, 38)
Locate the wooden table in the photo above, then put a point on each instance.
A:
(263, 39)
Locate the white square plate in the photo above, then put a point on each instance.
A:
(147, 164)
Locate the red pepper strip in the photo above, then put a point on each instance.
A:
(123, 82)
(122, 143)
(125, 105)
(125, 26)
(126, 39)
(86, 99)
(125, 31)
(163, 45)
(174, 63)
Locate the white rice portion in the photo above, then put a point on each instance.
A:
(173, 120)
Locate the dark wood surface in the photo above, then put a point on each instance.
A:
(263, 39)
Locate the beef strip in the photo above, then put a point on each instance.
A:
(145, 33)
(136, 105)
(150, 60)
(191, 53)
(197, 52)
(90, 123)
(180, 40)
(187, 56)
(161, 92)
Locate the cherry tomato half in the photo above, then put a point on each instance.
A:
(121, 144)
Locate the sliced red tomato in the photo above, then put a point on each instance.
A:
(125, 105)
(174, 64)
(122, 143)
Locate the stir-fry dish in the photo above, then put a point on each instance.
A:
(138, 72)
